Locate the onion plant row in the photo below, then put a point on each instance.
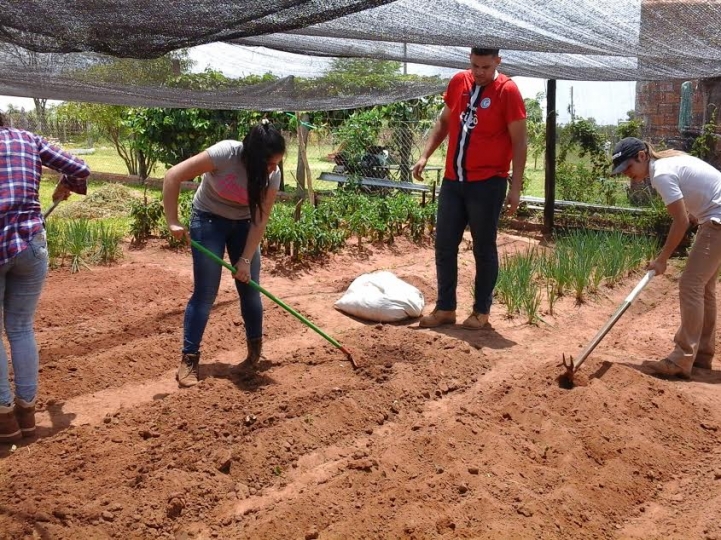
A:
(80, 242)
(578, 264)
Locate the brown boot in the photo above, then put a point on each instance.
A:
(703, 362)
(9, 428)
(188, 370)
(255, 347)
(667, 368)
(25, 414)
(438, 317)
(476, 321)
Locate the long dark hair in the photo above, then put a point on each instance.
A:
(261, 143)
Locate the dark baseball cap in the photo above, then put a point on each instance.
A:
(625, 150)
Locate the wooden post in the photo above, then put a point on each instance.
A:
(302, 155)
(550, 181)
(302, 132)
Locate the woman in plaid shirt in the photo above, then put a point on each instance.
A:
(24, 263)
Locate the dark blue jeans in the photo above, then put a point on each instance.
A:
(477, 205)
(218, 234)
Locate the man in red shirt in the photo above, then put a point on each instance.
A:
(484, 119)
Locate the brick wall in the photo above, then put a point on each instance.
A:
(658, 104)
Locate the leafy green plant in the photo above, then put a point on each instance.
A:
(185, 208)
(145, 218)
(704, 146)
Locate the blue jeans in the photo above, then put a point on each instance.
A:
(477, 205)
(21, 281)
(218, 234)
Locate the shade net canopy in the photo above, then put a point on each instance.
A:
(66, 50)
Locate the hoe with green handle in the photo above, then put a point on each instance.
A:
(289, 309)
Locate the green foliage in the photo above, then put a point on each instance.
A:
(79, 237)
(534, 111)
(145, 218)
(536, 127)
(359, 132)
(704, 146)
(516, 286)
(136, 72)
(210, 79)
(579, 263)
(584, 132)
(327, 227)
(108, 250)
(352, 75)
(574, 182)
(185, 208)
(113, 123)
(633, 127)
(82, 241)
(173, 135)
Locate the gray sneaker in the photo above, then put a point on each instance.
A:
(188, 370)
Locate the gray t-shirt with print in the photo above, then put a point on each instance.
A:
(224, 190)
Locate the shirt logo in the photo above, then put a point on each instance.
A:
(469, 119)
(485, 103)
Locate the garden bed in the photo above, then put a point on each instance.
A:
(440, 433)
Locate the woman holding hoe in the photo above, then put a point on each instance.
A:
(691, 190)
(24, 264)
(230, 211)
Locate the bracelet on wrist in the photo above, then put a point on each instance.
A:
(246, 261)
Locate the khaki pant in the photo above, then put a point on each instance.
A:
(696, 338)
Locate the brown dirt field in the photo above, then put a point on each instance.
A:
(441, 433)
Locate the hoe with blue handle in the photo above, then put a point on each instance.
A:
(289, 309)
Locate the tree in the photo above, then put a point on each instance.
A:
(112, 121)
(631, 127)
(534, 111)
(173, 135)
(134, 72)
(536, 127)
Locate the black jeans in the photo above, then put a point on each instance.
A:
(477, 205)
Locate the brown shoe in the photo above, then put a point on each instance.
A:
(9, 428)
(188, 370)
(667, 368)
(25, 414)
(249, 365)
(437, 318)
(476, 321)
(702, 362)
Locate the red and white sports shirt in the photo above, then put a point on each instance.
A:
(479, 144)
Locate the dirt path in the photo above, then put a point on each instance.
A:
(441, 433)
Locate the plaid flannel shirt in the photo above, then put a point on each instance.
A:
(22, 156)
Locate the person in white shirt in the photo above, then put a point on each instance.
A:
(691, 190)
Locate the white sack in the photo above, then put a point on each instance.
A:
(381, 297)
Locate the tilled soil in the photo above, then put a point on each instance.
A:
(440, 433)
